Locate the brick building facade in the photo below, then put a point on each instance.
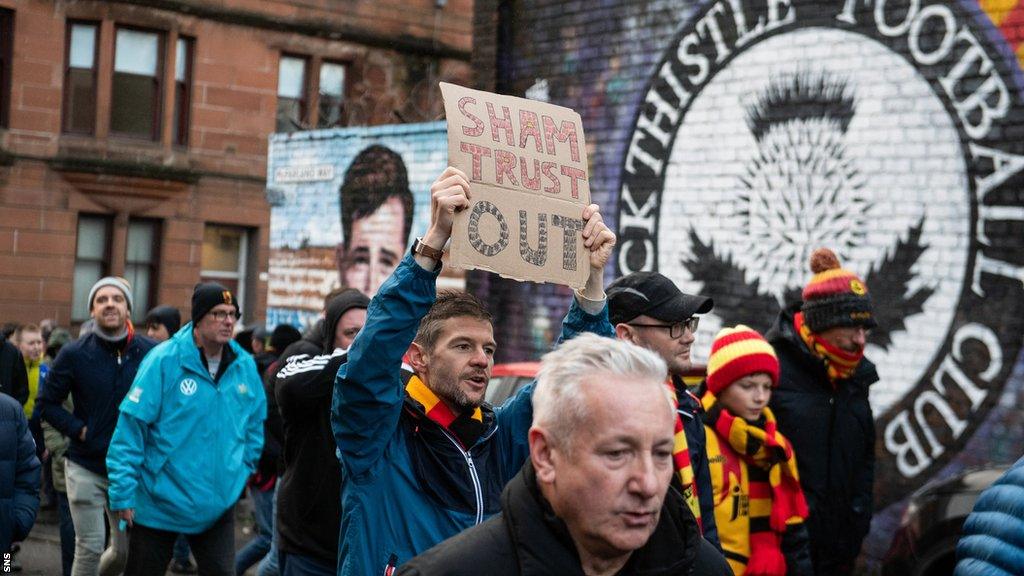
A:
(134, 137)
(728, 139)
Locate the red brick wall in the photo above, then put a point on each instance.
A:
(396, 52)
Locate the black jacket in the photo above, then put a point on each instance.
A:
(527, 539)
(13, 376)
(308, 501)
(833, 435)
(97, 373)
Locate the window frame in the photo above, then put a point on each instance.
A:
(105, 262)
(158, 78)
(239, 276)
(182, 116)
(304, 107)
(66, 104)
(344, 91)
(153, 265)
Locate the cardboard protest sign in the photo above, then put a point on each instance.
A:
(529, 183)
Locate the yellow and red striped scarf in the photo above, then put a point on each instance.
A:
(839, 363)
(439, 412)
(772, 476)
(681, 460)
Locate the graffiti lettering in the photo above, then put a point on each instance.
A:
(911, 455)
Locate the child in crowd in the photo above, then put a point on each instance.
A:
(759, 506)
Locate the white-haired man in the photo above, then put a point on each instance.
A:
(594, 496)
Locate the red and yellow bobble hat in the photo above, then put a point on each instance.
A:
(835, 296)
(738, 352)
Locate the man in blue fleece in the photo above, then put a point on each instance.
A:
(189, 435)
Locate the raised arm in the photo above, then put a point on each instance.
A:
(368, 392)
(588, 311)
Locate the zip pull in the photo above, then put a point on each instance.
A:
(389, 569)
(118, 357)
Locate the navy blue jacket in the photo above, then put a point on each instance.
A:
(833, 434)
(19, 474)
(992, 543)
(98, 374)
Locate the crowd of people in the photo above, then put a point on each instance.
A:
(366, 446)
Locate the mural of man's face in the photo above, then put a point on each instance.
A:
(375, 248)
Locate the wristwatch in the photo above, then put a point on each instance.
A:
(418, 247)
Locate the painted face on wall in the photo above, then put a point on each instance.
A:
(375, 248)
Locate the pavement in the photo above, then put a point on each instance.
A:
(40, 552)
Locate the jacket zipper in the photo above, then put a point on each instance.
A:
(477, 490)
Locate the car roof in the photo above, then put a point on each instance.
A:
(528, 369)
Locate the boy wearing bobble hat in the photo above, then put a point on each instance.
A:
(759, 506)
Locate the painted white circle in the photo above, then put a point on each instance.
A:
(188, 386)
(908, 168)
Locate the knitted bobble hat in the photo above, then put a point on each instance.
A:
(738, 352)
(835, 296)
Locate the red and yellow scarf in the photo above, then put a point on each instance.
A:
(772, 476)
(681, 460)
(839, 363)
(465, 427)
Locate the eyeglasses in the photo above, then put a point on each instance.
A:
(220, 315)
(674, 330)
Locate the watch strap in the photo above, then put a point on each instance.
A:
(419, 247)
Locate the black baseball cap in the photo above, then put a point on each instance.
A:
(654, 295)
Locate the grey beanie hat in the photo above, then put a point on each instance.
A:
(115, 281)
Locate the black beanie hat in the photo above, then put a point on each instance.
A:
(167, 316)
(206, 296)
(283, 336)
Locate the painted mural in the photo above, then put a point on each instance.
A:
(345, 205)
(730, 138)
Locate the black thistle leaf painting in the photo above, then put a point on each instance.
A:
(736, 300)
(888, 283)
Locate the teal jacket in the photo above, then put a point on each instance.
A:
(184, 445)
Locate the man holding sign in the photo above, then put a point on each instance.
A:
(426, 458)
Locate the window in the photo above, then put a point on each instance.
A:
(225, 253)
(135, 100)
(80, 78)
(91, 261)
(332, 94)
(140, 266)
(182, 89)
(6, 52)
(291, 93)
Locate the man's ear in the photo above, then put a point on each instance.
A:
(417, 358)
(625, 332)
(542, 455)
